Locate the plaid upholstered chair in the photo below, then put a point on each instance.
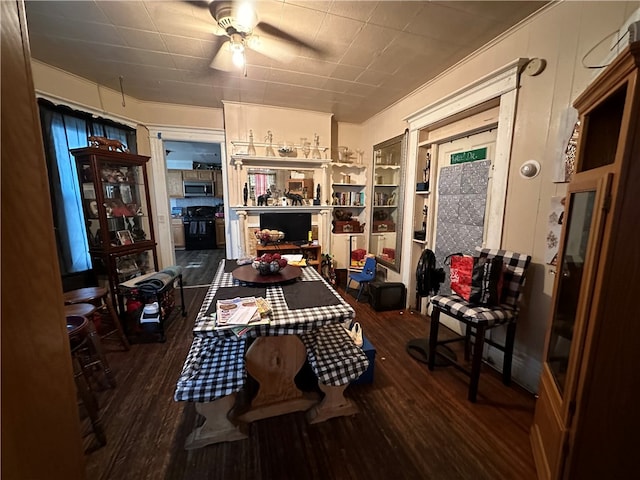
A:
(479, 318)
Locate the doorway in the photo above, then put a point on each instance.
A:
(159, 138)
(197, 208)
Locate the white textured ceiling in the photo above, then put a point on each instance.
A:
(372, 53)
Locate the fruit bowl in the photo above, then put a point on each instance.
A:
(269, 264)
(265, 236)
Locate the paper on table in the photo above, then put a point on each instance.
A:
(292, 257)
(237, 311)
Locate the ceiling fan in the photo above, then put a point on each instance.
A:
(238, 21)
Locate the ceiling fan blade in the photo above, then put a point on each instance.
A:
(222, 59)
(275, 32)
(273, 48)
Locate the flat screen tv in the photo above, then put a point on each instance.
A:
(295, 225)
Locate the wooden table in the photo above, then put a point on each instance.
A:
(274, 358)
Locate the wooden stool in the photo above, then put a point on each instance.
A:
(85, 337)
(98, 296)
(78, 328)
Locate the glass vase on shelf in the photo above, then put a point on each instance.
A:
(251, 150)
(269, 152)
(305, 146)
(315, 153)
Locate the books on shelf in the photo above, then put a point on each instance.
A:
(239, 314)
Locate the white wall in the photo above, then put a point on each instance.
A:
(562, 35)
(65, 88)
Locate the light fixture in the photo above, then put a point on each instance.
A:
(530, 169)
(236, 45)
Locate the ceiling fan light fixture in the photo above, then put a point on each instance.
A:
(237, 57)
(232, 18)
(236, 45)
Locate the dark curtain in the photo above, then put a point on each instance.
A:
(63, 129)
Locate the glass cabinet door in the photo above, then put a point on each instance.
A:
(575, 275)
(121, 199)
(389, 160)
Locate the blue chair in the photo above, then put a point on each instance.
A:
(367, 274)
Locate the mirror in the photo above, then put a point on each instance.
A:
(267, 185)
(388, 181)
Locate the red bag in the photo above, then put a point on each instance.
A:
(461, 273)
(479, 281)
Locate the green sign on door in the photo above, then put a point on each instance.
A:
(469, 156)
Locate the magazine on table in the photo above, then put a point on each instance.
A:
(237, 311)
(240, 314)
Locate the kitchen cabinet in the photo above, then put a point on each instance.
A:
(220, 233)
(586, 419)
(174, 184)
(177, 229)
(201, 175)
(117, 212)
(218, 189)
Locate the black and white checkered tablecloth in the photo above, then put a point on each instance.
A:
(284, 321)
(215, 367)
(202, 379)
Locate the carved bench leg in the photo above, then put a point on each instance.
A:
(216, 427)
(334, 404)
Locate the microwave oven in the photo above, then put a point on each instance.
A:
(198, 189)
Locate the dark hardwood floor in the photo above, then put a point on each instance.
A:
(412, 424)
(198, 266)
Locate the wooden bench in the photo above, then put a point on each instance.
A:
(211, 376)
(336, 360)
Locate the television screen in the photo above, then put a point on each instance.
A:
(296, 226)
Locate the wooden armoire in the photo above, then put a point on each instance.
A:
(588, 413)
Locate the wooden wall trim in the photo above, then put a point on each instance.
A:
(40, 422)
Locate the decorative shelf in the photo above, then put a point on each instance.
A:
(280, 208)
(425, 192)
(359, 166)
(420, 242)
(390, 167)
(278, 162)
(274, 145)
(385, 206)
(354, 185)
(385, 185)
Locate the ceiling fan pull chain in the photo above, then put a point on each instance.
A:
(122, 91)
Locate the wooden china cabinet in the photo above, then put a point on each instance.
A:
(117, 210)
(587, 416)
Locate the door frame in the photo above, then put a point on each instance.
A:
(503, 84)
(158, 180)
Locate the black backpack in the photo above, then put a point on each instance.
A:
(428, 277)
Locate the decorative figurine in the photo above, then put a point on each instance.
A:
(315, 153)
(251, 150)
(269, 149)
(427, 168)
(316, 201)
(245, 194)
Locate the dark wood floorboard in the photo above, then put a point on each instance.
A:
(198, 266)
(412, 424)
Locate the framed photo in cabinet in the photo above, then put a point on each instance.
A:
(91, 208)
(124, 237)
